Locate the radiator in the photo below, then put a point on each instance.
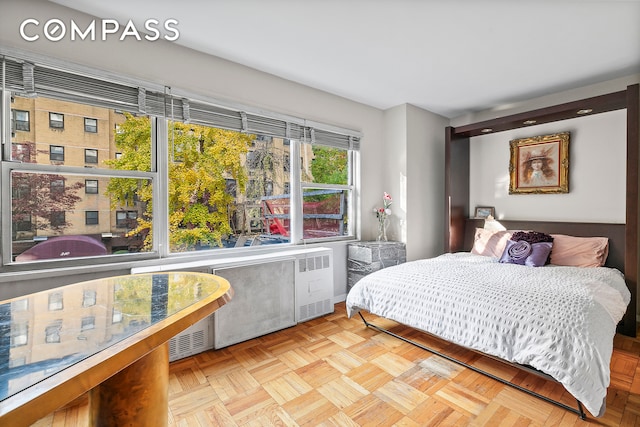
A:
(314, 285)
(271, 292)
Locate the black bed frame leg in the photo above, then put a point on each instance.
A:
(580, 411)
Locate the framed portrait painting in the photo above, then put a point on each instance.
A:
(539, 164)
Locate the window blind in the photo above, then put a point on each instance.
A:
(12, 75)
(31, 79)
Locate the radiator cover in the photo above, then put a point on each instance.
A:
(278, 290)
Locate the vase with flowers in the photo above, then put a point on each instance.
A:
(383, 216)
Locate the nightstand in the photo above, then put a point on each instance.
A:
(366, 257)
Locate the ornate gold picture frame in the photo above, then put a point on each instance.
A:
(539, 164)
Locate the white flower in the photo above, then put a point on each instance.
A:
(387, 211)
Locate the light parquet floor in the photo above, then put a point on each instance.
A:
(332, 371)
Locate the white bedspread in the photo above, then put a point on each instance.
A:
(559, 320)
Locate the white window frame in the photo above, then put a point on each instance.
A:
(160, 159)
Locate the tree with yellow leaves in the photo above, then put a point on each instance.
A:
(201, 159)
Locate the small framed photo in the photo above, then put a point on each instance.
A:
(539, 164)
(485, 211)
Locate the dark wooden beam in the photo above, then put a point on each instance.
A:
(456, 190)
(569, 110)
(628, 324)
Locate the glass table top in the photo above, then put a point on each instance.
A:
(42, 334)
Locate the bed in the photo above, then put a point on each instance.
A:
(558, 320)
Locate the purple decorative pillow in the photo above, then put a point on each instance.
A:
(525, 253)
(533, 237)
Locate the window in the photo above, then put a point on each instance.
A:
(52, 332)
(89, 298)
(56, 186)
(231, 187)
(22, 226)
(90, 125)
(58, 219)
(21, 152)
(116, 316)
(126, 219)
(87, 323)
(91, 218)
(326, 191)
(55, 301)
(21, 120)
(19, 334)
(56, 121)
(286, 162)
(90, 155)
(68, 202)
(91, 186)
(229, 172)
(20, 305)
(42, 198)
(56, 153)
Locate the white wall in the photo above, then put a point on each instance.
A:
(425, 183)
(394, 172)
(413, 168)
(597, 172)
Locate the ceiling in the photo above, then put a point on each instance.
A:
(449, 57)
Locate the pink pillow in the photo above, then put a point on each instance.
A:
(579, 251)
(490, 243)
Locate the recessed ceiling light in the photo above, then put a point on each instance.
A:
(585, 111)
(529, 122)
(486, 130)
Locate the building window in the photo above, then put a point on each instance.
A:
(56, 186)
(56, 121)
(286, 162)
(126, 219)
(91, 218)
(57, 218)
(89, 298)
(55, 301)
(231, 187)
(90, 125)
(19, 334)
(116, 316)
(90, 155)
(22, 226)
(88, 323)
(21, 120)
(52, 332)
(21, 152)
(91, 186)
(20, 305)
(56, 153)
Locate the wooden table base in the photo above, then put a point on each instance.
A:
(136, 396)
